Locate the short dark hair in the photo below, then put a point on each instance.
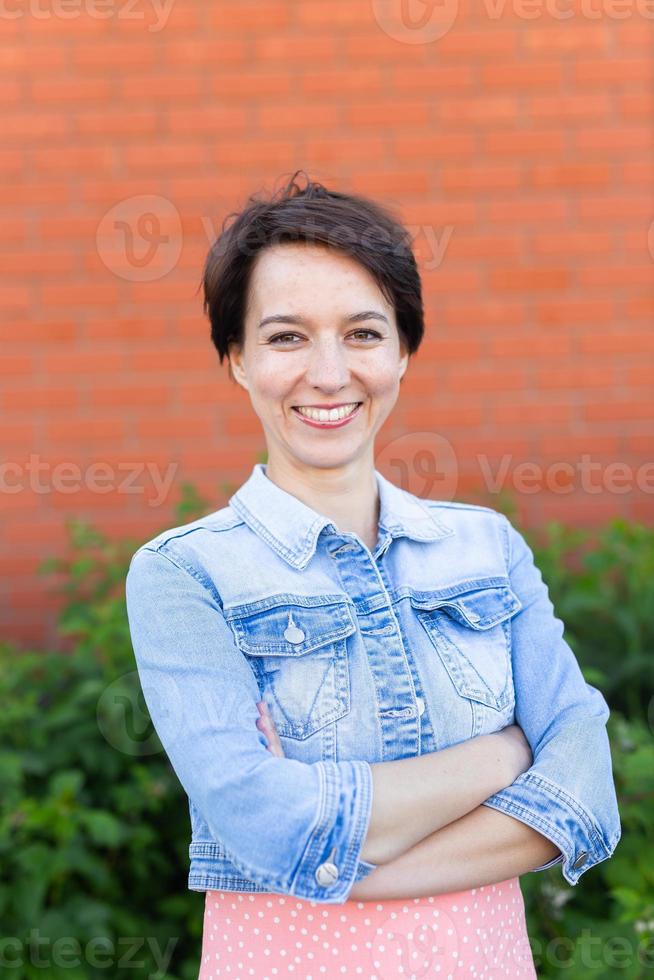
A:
(351, 223)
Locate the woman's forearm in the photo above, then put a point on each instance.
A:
(416, 796)
(480, 848)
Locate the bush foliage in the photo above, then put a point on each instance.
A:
(94, 826)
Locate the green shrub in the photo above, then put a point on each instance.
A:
(94, 826)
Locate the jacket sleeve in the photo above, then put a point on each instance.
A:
(568, 794)
(295, 828)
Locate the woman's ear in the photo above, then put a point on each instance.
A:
(404, 363)
(236, 368)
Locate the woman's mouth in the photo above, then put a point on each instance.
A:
(321, 418)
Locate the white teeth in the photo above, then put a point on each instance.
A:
(327, 415)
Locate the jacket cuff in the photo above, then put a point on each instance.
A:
(551, 811)
(364, 868)
(330, 863)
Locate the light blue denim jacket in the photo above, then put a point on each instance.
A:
(444, 632)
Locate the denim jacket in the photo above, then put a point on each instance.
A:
(443, 632)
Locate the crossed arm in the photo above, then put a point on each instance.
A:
(429, 833)
(480, 848)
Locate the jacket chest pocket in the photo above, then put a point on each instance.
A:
(472, 636)
(297, 647)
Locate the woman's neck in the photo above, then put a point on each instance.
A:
(347, 496)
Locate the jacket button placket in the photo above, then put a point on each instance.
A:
(399, 720)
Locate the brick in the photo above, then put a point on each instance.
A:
(418, 146)
(525, 279)
(189, 429)
(365, 114)
(257, 86)
(491, 110)
(58, 90)
(562, 312)
(570, 242)
(45, 399)
(122, 396)
(531, 74)
(526, 141)
(293, 118)
(618, 342)
(619, 411)
(81, 362)
(249, 16)
(216, 119)
(74, 431)
(527, 346)
(285, 49)
(580, 175)
(577, 376)
(202, 51)
(431, 77)
(169, 87)
(320, 82)
(482, 177)
(567, 108)
(602, 138)
(616, 71)
(527, 209)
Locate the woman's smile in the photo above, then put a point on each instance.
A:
(321, 418)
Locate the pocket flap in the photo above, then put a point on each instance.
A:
(290, 626)
(478, 607)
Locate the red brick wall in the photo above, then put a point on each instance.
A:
(518, 138)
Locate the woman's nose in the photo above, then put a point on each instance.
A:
(328, 367)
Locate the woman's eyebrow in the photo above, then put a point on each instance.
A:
(300, 321)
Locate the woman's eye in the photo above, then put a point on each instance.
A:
(283, 337)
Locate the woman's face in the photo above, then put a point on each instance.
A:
(335, 342)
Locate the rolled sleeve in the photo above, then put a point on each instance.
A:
(568, 794)
(293, 827)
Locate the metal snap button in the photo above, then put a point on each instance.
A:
(474, 617)
(581, 859)
(293, 633)
(327, 873)
(421, 705)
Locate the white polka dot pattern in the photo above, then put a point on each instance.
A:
(460, 936)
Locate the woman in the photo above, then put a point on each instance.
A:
(366, 695)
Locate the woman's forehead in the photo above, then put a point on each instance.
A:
(313, 274)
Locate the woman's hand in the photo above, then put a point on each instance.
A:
(519, 756)
(266, 725)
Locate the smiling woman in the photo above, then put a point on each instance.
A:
(335, 666)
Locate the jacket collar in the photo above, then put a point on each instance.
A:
(292, 528)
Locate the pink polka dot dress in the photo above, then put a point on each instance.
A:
(480, 932)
